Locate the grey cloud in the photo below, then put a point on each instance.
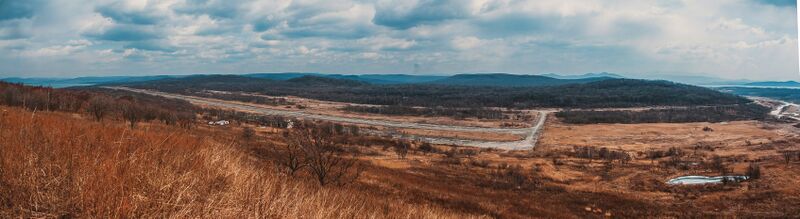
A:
(423, 12)
(14, 29)
(15, 18)
(782, 3)
(17, 9)
(264, 24)
(127, 33)
(126, 16)
(150, 46)
(327, 32)
(217, 9)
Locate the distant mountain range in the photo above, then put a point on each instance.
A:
(775, 84)
(481, 79)
(583, 76)
(84, 81)
(368, 78)
(510, 80)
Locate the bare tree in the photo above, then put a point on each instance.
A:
(131, 112)
(167, 117)
(401, 149)
(248, 133)
(324, 157)
(787, 156)
(717, 164)
(292, 159)
(99, 106)
(12, 96)
(426, 147)
(608, 166)
(185, 119)
(753, 171)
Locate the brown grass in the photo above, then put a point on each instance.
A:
(52, 164)
(57, 164)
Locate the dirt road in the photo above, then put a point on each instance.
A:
(528, 143)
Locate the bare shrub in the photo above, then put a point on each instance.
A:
(401, 149)
(512, 177)
(469, 152)
(426, 148)
(248, 133)
(718, 165)
(323, 156)
(99, 106)
(452, 153)
(292, 158)
(131, 112)
(753, 171)
(608, 166)
(788, 155)
(479, 163)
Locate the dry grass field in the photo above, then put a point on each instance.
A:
(63, 164)
(57, 165)
(332, 108)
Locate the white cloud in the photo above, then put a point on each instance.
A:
(738, 38)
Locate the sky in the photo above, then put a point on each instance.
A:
(749, 39)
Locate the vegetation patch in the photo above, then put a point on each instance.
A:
(677, 115)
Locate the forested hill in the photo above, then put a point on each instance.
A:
(605, 93)
(510, 80)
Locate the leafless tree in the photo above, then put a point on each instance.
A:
(99, 106)
(753, 171)
(426, 147)
(292, 158)
(787, 156)
(131, 112)
(248, 133)
(401, 149)
(167, 117)
(717, 164)
(323, 156)
(185, 119)
(12, 96)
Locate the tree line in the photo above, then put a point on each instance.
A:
(606, 93)
(678, 115)
(99, 104)
(459, 113)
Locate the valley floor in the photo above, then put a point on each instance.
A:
(62, 164)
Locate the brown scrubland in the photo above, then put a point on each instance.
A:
(64, 162)
(55, 165)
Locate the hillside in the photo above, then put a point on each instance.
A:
(83, 81)
(604, 93)
(509, 80)
(785, 94)
(324, 81)
(55, 150)
(158, 171)
(775, 84)
(366, 78)
(587, 75)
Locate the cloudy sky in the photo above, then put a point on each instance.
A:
(755, 39)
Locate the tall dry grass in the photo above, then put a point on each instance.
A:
(53, 164)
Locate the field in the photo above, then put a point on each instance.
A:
(520, 119)
(139, 163)
(551, 181)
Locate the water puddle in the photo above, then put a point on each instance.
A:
(699, 180)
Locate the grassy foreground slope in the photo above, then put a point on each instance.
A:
(53, 164)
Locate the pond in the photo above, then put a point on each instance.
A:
(698, 180)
